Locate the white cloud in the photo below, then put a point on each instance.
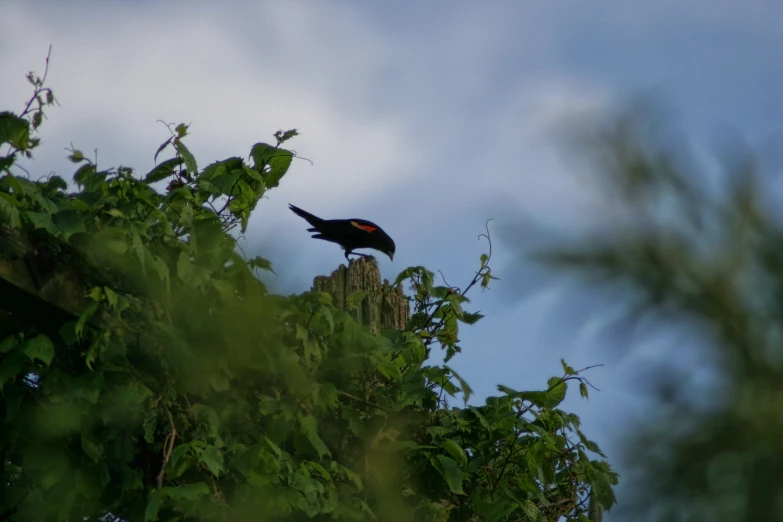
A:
(529, 147)
(117, 76)
(323, 68)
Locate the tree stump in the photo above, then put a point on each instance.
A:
(384, 307)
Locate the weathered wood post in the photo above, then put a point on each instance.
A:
(384, 308)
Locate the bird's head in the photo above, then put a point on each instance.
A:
(389, 248)
(385, 244)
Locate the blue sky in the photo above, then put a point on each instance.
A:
(427, 118)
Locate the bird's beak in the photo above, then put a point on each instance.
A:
(391, 256)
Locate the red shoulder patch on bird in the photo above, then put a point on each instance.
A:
(366, 228)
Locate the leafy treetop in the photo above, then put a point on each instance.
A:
(185, 391)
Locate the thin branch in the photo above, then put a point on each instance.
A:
(168, 445)
(37, 91)
(366, 403)
(446, 282)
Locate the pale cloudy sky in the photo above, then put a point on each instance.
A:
(427, 118)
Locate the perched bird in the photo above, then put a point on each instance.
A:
(349, 233)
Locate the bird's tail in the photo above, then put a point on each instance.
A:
(313, 220)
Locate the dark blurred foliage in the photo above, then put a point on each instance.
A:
(691, 241)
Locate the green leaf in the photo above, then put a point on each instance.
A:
(162, 269)
(324, 298)
(425, 275)
(485, 280)
(186, 492)
(556, 392)
(320, 469)
(530, 510)
(162, 146)
(219, 168)
(39, 348)
(261, 152)
(14, 130)
(153, 505)
(8, 210)
(309, 426)
(589, 444)
(134, 393)
(481, 418)
(253, 174)
(355, 298)
(208, 417)
(470, 318)
(246, 192)
(415, 352)
(271, 161)
(42, 220)
(602, 489)
(449, 470)
(326, 313)
(212, 458)
(86, 176)
(467, 391)
(92, 448)
(11, 366)
(456, 451)
(538, 398)
(498, 510)
(583, 389)
(186, 218)
(285, 136)
(260, 262)
(274, 447)
(162, 170)
(149, 425)
(279, 164)
(111, 241)
(56, 183)
(184, 268)
(8, 344)
(96, 294)
(92, 353)
(567, 369)
(69, 222)
(111, 297)
(88, 312)
(14, 184)
(190, 161)
(68, 334)
(7, 161)
(76, 156)
(177, 454)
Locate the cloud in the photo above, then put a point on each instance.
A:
(399, 124)
(383, 117)
(137, 65)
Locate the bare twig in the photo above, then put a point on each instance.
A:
(38, 91)
(168, 445)
(367, 403)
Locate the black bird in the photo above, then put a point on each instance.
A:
(349, 233)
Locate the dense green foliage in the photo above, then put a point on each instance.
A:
(185, 391)
(706, 265)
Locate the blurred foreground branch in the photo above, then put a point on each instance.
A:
(712, 260)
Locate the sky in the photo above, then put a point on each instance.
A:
(426, 118)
